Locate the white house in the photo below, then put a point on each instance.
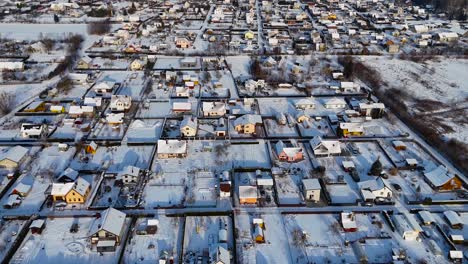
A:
(305, 103)
(130, 174)
(115, 119)
(11, 65)
(213, 109)
(188, 126)
(311, 189)
(29, 130)
(171, 149)
(104, 87)
(120, 103)
(335, 103)
(323, 147)
(182, 91)
(373, 189)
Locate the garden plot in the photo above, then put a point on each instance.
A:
(218, 156)
(110, 64)
(57, 244)
(202, 189)
(171, 129)
(107, 194)
(273, 129)
(148, 248)
(9, 231)
(316, 128)
(317, 238)
(203, 232)
(68, 132)
(381, 128)
(144, 131)
(165, 189)
(167, 63)
(105, 131)
(133, 86)
(287, 190)
(368, 153)
(114, 159)
(275, 250)
(412, 151)
(77, 91)
(342, 194)
(155, 109)
(273, 106)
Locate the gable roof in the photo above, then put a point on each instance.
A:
(172, 146)
(248, 119)
(112, 221)
(439, 176)
(332, 146)
(15, 154)
(289, 151)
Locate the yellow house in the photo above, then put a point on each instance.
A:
(71, 192)
(57, 109)
(91, 148)
(301, 117)
(331, 16)
(249, 35)
(136, 65)
(247, 124)
(84, 63)
(350, 129)
(13, 157)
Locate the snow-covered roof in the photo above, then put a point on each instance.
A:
(439, 176)
(372, 185)
(348, 164)
(213, 106)
(112, 221)
(115, 118)
(426, 216)
(130, 170)
(172, 146)
(93, 101)
(22, 188)
(371, 106)
(305, 101)
(332, 146)
(348, 220)
(15, 154)
(69, 173)
(182, 106)
(335, 101)
(311, 184)
(289, 151)
(453, 218)
(38, 223)
(188, 121)
(80, 109)
(247, 191)
(352, 127)
(107, 85)
(61, 189)
(81, 186)
(248, 119)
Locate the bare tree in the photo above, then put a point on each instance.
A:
(7, 102)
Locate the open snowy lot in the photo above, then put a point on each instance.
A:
(58, 244)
